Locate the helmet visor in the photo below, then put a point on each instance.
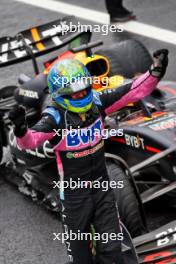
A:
(76, 85)
(81, 84)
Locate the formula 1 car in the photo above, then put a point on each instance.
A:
(157, 247)
(141, 146)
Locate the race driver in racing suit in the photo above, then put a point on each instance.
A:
(80, 155)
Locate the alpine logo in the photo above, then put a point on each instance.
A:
(44, 152)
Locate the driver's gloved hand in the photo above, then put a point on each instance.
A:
(160, 62)
(18, 117)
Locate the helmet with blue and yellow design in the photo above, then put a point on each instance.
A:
(69, 83)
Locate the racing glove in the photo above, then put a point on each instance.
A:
(18, 117)
(160, 62)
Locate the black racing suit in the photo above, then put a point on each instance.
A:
(80, 157)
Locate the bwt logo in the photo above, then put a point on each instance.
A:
(83, 136)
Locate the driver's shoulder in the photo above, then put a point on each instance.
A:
(53, 112)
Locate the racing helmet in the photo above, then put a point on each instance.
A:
(67, 78)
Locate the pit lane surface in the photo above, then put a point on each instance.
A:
(26, 229)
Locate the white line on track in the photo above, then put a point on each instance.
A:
(103, 18)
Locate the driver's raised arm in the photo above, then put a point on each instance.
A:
(112, 100)
(30, 138)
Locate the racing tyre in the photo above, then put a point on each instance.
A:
(6, 92)
(126, 200)
(127, 58)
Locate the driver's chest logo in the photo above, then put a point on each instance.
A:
(85, 136)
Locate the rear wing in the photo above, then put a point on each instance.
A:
(41, 40)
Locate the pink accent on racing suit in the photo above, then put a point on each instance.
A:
(141, 87)
(33, 139)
